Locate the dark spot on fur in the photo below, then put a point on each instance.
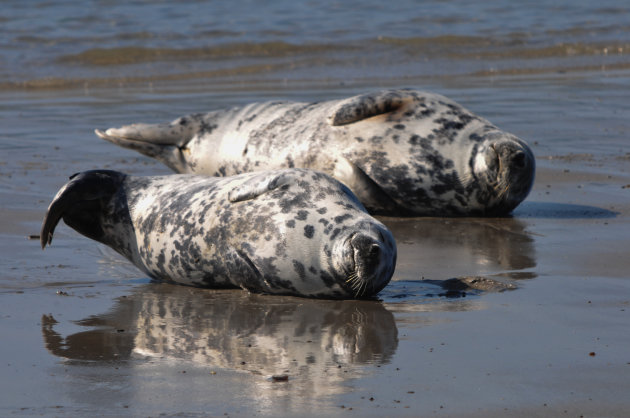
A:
(339, 219)
(335, 233)
(299, 269)
(328, 280)
(309, 231)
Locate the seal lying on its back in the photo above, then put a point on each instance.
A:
(295, 232)
(402, 152)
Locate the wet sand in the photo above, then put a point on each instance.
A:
(86, 334)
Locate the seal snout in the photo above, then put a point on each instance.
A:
(510, 157)
(370, 258)
(511, 170)
(367, 252)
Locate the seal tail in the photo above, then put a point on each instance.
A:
(80, 203)
(166, 142)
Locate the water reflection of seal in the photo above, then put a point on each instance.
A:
(292, 231)
(306, 339)
(469, 246)
(401, 151)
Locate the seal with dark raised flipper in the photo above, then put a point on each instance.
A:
(293, 231)
(402, 152)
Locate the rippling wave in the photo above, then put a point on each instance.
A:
(137, 54)
(62, 46)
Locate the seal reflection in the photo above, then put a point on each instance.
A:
(439, 248)
(318, 343)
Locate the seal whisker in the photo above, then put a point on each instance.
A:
(358, 286)
(363, 288)
(356, 290)
(502, 188)
(352, 276)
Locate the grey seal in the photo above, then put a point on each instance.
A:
(402, 152)
(293, 231)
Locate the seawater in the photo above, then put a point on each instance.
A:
(70, 43)
(555, 73)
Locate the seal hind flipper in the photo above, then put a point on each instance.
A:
(79, 203)
(369, 105)
(165, 142)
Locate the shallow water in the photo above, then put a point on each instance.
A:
(108, 42)
(85, 333)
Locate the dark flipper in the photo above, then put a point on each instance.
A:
(365, 106)
(80, 202)
(375, 199)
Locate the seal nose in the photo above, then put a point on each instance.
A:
(513, 164)
(519, 160)
(510, 156)
(367, 252)
(366, 259)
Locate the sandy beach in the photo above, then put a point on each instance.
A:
(85, 333)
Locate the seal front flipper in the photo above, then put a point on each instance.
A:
(373, 197)
(165, 142)
(259, 184)
(365, 106)
(80, 203)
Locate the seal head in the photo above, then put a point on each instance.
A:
(364, 257)
(506, 169)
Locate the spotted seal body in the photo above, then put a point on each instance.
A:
(402, 152)
(293, 231)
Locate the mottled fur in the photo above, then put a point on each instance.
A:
(291, 231)
(402, 152)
